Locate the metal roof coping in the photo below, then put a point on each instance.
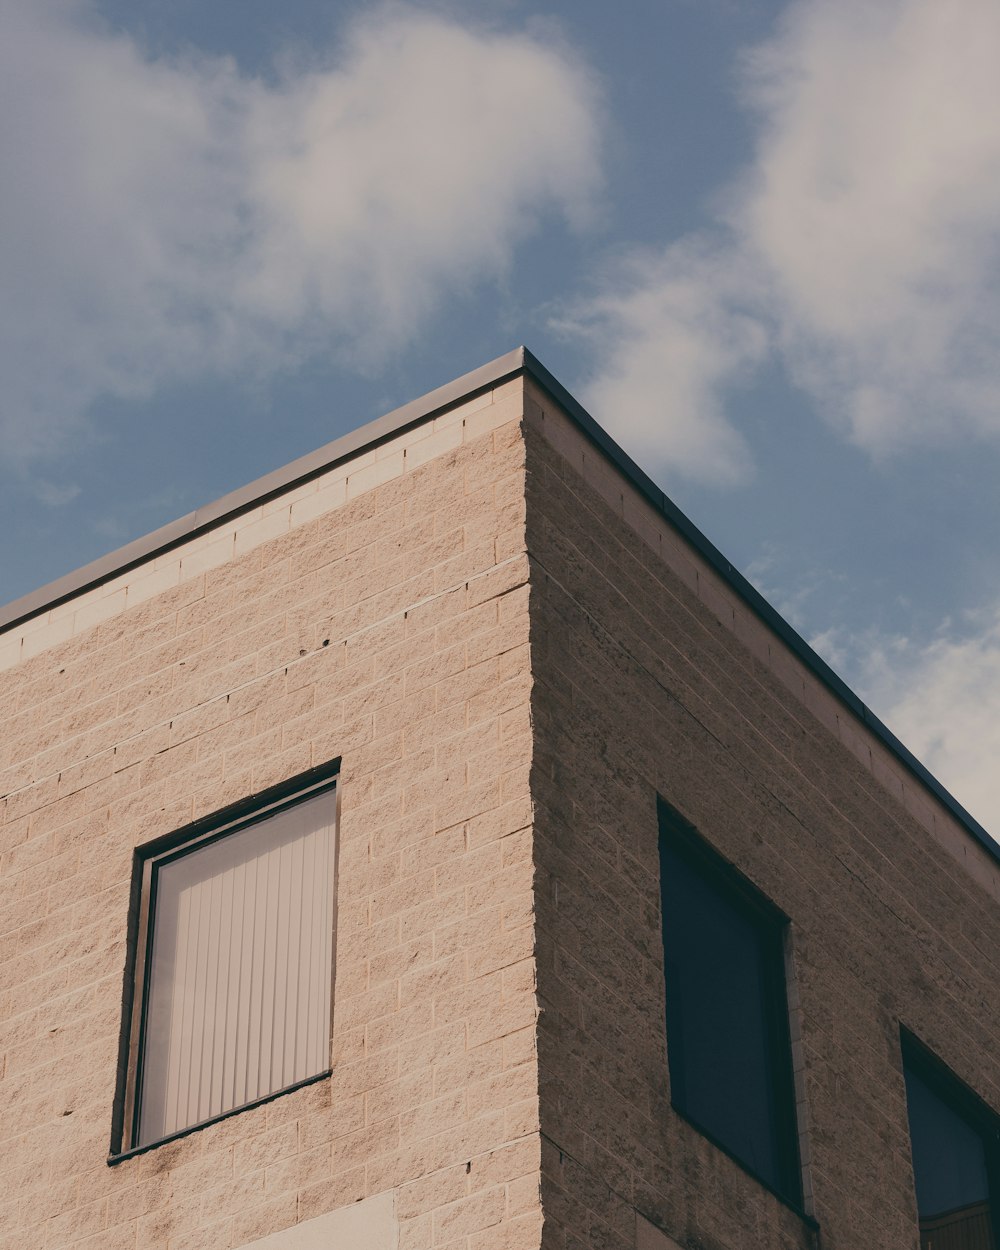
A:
(520, 361)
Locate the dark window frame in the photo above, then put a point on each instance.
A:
(146, 860)
(772, 928)
(965, 1103)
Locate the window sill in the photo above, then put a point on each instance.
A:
(794, 1206)
(119, 1156)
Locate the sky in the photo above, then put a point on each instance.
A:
(760, 241)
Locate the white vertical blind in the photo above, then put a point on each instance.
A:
(240, 972)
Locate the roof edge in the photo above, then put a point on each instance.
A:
(244, 498)
(495, 372)
(755, 600)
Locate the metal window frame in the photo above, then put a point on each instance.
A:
(146, 862)
(772, 928)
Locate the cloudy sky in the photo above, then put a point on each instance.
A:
(759, 240)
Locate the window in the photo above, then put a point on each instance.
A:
(955, 1141)
(231, 957)
(727, 1014)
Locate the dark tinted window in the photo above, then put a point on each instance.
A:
(953, 1143)
(727, 1015)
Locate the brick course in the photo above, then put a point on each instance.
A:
(643, 686)
(380, 617)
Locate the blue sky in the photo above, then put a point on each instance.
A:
(759, 241)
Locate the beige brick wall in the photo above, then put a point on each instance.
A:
(383, 621)
(650, 678)
(649, 525)
(221, 544)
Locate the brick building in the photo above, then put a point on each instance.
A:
(641, 931)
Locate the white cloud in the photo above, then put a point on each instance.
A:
(942, 698)
(672, 336)
(793, 590)
(54, 495)
(861, 243)
(166, 218)
(875, 204)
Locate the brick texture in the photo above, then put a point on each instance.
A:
(642, 686)
(381, 618)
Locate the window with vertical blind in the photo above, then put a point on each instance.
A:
(232, 963)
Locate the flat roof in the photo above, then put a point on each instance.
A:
(519, 362)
